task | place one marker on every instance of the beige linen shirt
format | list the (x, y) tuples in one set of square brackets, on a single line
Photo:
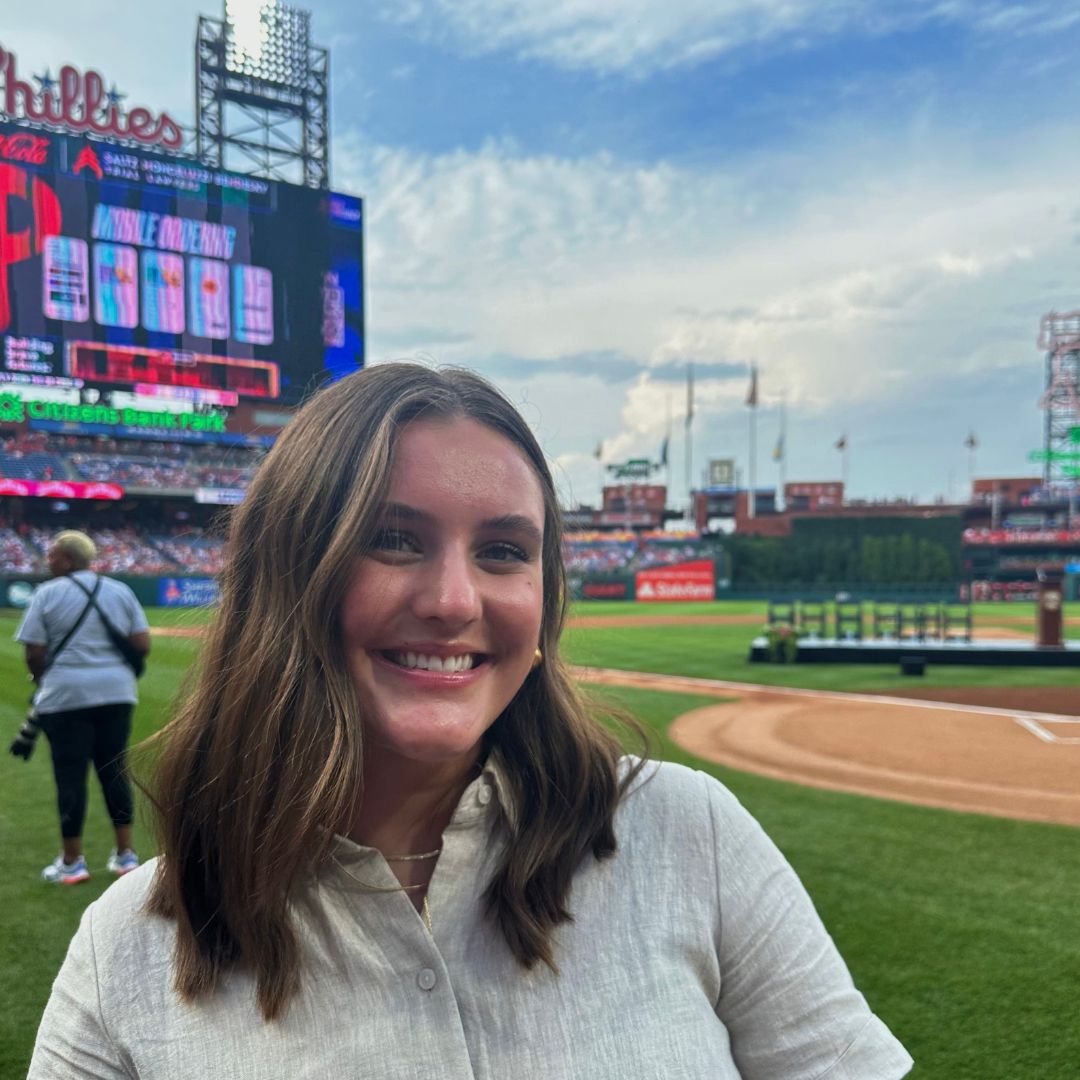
[(694, 953)]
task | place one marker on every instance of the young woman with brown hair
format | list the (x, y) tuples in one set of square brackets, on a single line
[(396, 840)]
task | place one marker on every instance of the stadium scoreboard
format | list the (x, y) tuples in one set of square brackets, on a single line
[(149, 296)]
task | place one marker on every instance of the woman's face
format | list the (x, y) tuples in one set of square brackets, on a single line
[(441, 621)]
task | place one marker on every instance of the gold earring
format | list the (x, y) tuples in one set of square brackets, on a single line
[(538, 659)]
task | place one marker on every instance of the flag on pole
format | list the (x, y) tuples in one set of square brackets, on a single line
[(689, 394), (751, 394), (778, 449), (971, 442), (598, 453), (663, 452), (841, 443)]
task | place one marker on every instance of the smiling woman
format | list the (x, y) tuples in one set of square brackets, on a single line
[(397, 842)]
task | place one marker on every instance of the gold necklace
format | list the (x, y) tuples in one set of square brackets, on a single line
[(425, 908), (414, 858)]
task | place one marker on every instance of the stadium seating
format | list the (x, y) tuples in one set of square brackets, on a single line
[(31, 465), (196, 553), (15, 556)]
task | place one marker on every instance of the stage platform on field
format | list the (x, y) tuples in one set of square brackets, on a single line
[(1000, 653)]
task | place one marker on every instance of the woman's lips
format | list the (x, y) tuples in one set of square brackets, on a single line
[(474, 666)]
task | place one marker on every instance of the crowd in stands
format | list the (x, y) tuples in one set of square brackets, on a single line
[(15, 556), (134, 550), (29, 457), (198, 554), (625, 552), (126, 550), (38, 456), (120, 551)]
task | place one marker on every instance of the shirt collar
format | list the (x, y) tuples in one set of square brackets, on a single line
[(486, 798)]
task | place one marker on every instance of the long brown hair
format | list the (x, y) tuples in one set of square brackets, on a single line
[(268, 746)]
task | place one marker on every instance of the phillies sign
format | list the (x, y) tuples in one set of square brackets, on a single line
[(80, 103)]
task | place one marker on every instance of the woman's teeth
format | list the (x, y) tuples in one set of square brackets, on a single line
[(433, 663)]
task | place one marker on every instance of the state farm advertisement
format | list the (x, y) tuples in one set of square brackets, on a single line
[(684, 581)]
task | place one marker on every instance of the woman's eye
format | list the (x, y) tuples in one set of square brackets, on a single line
[(393, 540), (505, 552)]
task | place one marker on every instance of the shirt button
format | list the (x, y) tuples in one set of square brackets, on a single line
[(483, 796), (426, 979)]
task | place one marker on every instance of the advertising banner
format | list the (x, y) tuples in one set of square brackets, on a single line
[(1021, 536), (60, 489), (220, 496), (684, 581), (187, 592)]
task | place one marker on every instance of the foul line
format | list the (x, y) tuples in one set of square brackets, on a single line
[(1031, 721), (1032, 724)]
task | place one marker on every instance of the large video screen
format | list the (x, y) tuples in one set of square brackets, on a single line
[(141, 293)]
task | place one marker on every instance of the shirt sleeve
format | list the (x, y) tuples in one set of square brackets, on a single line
[(786, 996), (31, 629), (73, 1042), (136, 615)]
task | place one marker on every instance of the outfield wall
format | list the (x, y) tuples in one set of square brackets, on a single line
[(15, 590)]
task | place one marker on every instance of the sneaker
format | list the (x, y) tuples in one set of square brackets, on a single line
[(59, 872), (123, 862)]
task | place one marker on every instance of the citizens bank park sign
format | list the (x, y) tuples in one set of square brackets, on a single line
[(79, 103)]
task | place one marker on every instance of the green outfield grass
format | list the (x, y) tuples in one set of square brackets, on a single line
[(720, 652), (960, 929)]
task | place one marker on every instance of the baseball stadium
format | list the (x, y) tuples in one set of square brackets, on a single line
[(892, 689)]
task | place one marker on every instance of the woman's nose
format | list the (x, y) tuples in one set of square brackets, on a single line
[(449, 590)]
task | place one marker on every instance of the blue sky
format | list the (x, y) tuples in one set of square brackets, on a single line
[(872, 201)]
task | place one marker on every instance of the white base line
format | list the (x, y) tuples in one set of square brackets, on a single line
[(1029, 720), (1032, 724)]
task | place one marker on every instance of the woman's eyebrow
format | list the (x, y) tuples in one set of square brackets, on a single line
[(517, 523)]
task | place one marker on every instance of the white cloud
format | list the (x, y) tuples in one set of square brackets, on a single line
[(854, 291), (637, 37)]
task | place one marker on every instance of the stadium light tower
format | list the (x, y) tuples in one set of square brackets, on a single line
[(262, 93), (1059, 338)]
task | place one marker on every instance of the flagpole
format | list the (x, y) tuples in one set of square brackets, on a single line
[(752, 400), (689, 440), (667, 456), (751, 502), (844, 466), (783, 454)]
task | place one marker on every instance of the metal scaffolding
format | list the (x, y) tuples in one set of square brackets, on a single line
[(1059, 338), (262, 94)]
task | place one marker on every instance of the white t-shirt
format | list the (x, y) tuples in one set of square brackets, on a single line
[(694, 953), (89, 671)]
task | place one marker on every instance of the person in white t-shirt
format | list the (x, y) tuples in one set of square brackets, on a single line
[(85, 696)]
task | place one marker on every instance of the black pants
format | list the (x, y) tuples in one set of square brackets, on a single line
[(77, 737)]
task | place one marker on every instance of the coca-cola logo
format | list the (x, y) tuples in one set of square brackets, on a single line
[(33, 149), (80, 103)]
